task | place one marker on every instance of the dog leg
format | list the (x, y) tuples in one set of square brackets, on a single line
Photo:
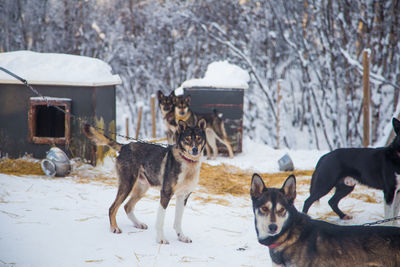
[(387, 209), (165, 198), (138, 191), (314, 196), (122, 194), (392, 210), (208, 150), (225, 142), (211, 142), (180, 206), (319, 188), (342, 190), (396, 200), (229, 147)]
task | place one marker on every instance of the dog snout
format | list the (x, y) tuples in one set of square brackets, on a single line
[(272, 228), (195, 150), (181, 113)]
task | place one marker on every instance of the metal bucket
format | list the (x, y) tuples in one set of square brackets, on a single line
[(56, 163), (285, 163)]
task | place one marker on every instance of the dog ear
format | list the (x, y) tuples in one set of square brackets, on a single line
[(202, 124), (289, 188), (160, 95), (181, 126), (257, 186), (187, 100), (172, 93), (175, 99), (396, 126)]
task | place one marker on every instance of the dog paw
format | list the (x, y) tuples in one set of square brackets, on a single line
[(162, 241), (347, 217), (115, 230), (184, 238), (141, 226)]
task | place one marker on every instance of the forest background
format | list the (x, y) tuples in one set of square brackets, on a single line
[(311, 49)]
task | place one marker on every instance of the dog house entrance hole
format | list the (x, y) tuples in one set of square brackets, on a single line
[(49, 123)]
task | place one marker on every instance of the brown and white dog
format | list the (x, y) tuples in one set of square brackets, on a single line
[(166, 104), (174, 169), (215, 129), (294, 239)]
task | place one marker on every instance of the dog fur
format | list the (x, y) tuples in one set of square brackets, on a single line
[(167, 107), (374, 167), (294, 239), (174, 169), (215, 129)]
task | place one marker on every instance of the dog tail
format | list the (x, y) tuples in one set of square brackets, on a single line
[(218, 114), (100, 139)]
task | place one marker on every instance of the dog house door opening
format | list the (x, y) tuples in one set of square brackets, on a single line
[(49, 122)]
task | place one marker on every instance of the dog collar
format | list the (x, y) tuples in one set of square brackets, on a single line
[(169, 116), (187, 159), (274, 245)]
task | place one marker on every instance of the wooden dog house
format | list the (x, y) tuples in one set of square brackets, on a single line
[(222, 89), (76, 89)]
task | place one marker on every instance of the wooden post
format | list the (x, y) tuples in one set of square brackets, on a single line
[(139, 122), (153, 115), (127, 127), (278, 100), (366, 99)]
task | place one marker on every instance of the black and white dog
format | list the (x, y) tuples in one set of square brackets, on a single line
[(374, 167)]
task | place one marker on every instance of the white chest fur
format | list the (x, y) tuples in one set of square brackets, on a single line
[(188, 178)]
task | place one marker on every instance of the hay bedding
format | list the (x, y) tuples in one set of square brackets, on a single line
[(228, 179), (214, 180), (218, 180)]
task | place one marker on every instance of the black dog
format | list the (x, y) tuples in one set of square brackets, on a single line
[(374, 167), (294, 239)]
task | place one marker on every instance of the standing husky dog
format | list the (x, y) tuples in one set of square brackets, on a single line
[(174, 169), (215, 129), (294, 239), (374, 167), (166, 104)]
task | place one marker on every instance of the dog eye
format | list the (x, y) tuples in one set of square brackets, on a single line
[(281, 210), (265, 209), (198, 139)]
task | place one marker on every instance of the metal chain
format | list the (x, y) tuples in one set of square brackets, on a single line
[(382, 221), (57, 107)]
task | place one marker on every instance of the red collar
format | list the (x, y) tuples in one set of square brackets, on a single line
[(187, 159), (169, 116), (274, 245)]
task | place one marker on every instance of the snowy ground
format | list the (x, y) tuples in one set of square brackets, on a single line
[(60, 222)]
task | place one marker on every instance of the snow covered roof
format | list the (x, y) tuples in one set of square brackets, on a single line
[(56, 69), (219, 74)]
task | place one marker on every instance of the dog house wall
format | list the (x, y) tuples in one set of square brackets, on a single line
[(229, 102), (87, 103)]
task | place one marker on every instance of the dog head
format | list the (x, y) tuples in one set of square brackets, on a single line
[(166, 103), (191, 140), (272, 206), (181, 106)]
